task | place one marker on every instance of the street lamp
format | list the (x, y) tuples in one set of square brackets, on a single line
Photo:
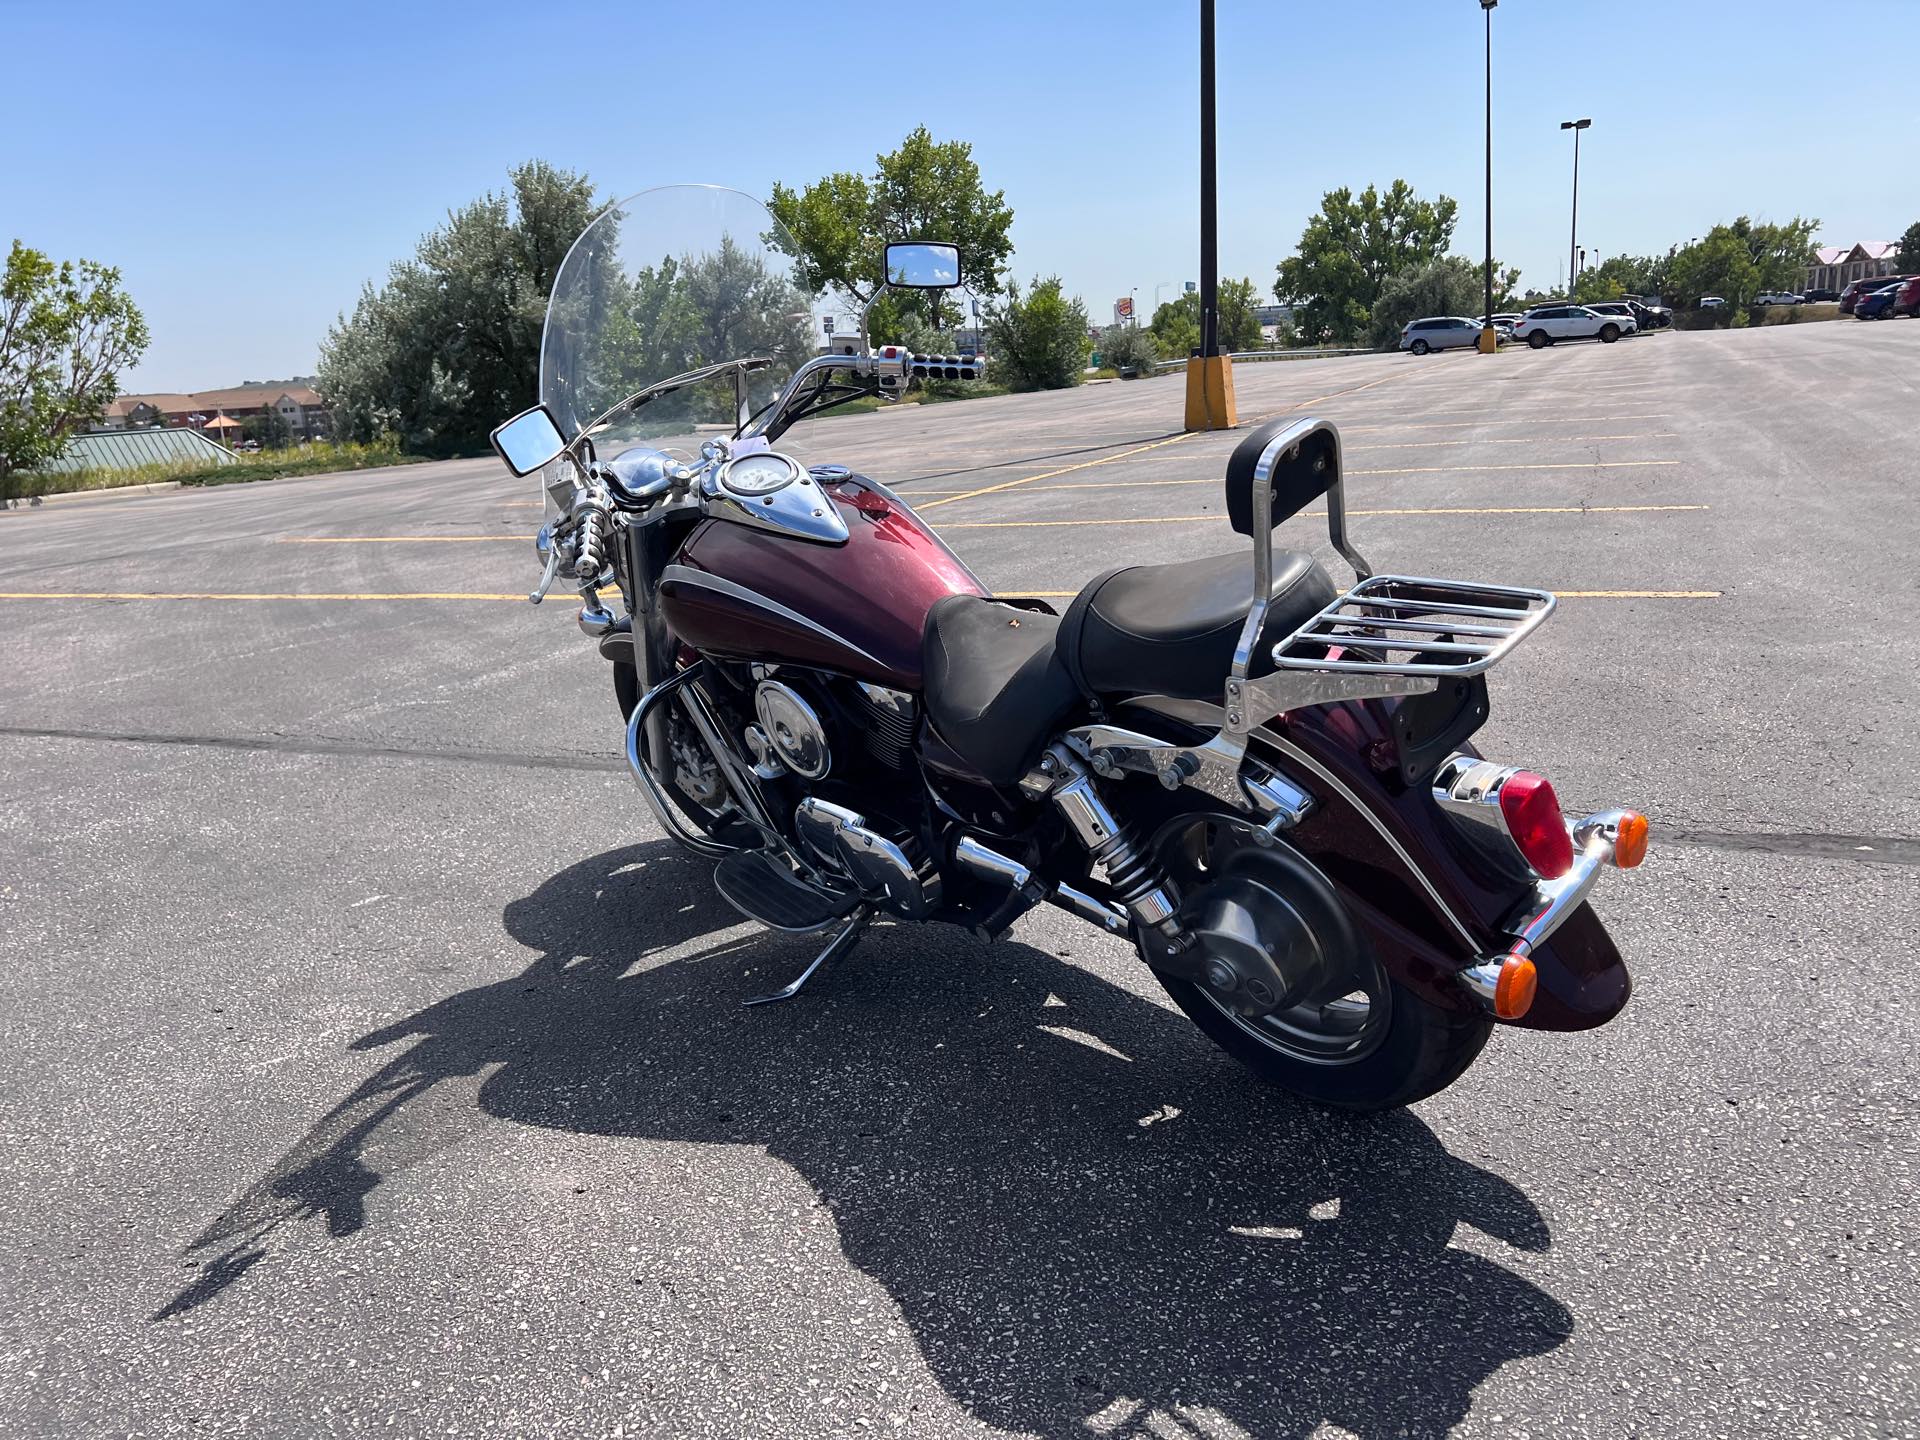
[(1489, 341), (1576, 126)]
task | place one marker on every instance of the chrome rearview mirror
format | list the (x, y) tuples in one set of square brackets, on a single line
[(923, 265), (529, 440)]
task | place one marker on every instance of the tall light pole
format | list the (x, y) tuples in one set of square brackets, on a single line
[(1573, 230), (1210, 404), (1489, 341)]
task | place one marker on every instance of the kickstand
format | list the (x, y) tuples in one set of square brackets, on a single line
[(836, 947)]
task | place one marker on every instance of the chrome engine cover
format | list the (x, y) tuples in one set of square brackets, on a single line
[(798, 737), (880, 868)]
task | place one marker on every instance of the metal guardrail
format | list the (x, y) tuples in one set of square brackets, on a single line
[(1260, 355)]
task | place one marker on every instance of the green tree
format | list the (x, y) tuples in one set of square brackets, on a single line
[(1039, 342), (269, 428), (1349, 250), (1130, 349), (451, 342), (1451, 285), (1739, 260), (66, 332), (926, 189), (1176, 324), (1619, 275), (1907, 261)]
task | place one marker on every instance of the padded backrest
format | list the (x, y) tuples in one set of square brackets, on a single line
[(1300, 476)]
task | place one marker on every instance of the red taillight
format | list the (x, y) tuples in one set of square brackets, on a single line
[(1532, 813)]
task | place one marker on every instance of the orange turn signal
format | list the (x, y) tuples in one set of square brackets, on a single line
[(1513, 992), (1630, 848)]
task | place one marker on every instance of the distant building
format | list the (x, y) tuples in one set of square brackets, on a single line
[(1835, 267), (128, 449), (300, 406)]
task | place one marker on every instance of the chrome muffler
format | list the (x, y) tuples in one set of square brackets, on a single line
[(986, 863)]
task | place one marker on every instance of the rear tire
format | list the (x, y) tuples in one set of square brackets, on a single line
[(1537, 340), (1378, 1045), (1419, 347), (1425, 1049)]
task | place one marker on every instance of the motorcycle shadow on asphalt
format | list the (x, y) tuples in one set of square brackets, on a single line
[(1085, 1213)]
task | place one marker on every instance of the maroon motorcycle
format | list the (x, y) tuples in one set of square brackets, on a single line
[(1259, 778)]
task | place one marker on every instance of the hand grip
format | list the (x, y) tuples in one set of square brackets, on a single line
[(592, 556), (948, 367)]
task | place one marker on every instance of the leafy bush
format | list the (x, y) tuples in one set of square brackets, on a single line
[(1447, 286), (1040, 342), (1798, 314), (1176, 324), (1129, 349), (315, 459)]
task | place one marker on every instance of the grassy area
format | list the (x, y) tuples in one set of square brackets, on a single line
[(319, 459), (1798, 314)]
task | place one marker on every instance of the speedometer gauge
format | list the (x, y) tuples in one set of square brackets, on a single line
[(752, 476)]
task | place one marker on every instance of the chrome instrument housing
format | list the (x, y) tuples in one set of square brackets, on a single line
[(799, 507)]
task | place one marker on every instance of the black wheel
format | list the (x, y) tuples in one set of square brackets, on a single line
[(1537, 340), (1609, 334), (1360, 1040), (1419, 347)]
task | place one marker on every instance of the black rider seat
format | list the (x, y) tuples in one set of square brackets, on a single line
[(999, 680)]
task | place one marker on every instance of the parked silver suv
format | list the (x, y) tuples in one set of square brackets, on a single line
[(1544, 324), (1440, 332)]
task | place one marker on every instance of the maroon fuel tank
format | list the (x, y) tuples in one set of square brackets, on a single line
[(742, 593)]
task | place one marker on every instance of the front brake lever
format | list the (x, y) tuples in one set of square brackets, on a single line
[(552, 552)]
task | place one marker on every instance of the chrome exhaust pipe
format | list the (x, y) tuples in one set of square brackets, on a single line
[(989, 864)]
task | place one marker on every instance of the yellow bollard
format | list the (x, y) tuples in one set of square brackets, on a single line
[(1210, 393), (1489, 340)]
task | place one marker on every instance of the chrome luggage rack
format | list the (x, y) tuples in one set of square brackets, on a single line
[(1410, 625)]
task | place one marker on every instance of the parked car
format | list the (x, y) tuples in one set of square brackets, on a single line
[(1879, 304), (1778, 297), (1544, 324), (1440, 332), (1650, 315), (1850, 296), (1712, 302), (1907, 302), (1821, 297), (1621, 311)]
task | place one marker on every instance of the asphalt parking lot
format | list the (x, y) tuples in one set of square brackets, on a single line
[(373, 1063)]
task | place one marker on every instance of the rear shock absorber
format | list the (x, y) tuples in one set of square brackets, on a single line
[(1132, 872)]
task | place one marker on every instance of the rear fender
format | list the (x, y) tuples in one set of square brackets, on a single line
[(1418, 887), (1428, 902)]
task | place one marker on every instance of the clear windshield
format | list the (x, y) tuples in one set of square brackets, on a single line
[(664, 282)]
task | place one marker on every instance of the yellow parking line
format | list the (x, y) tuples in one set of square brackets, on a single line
[(1064, 470), (485, 595), (1554, 465), (1509, 440), (1509, 420), (1142, 449), (1319, 514), (1558, 594), (251, 595), (399, 539), (1416, 470)]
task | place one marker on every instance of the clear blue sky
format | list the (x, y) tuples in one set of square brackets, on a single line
[(250, 167)]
